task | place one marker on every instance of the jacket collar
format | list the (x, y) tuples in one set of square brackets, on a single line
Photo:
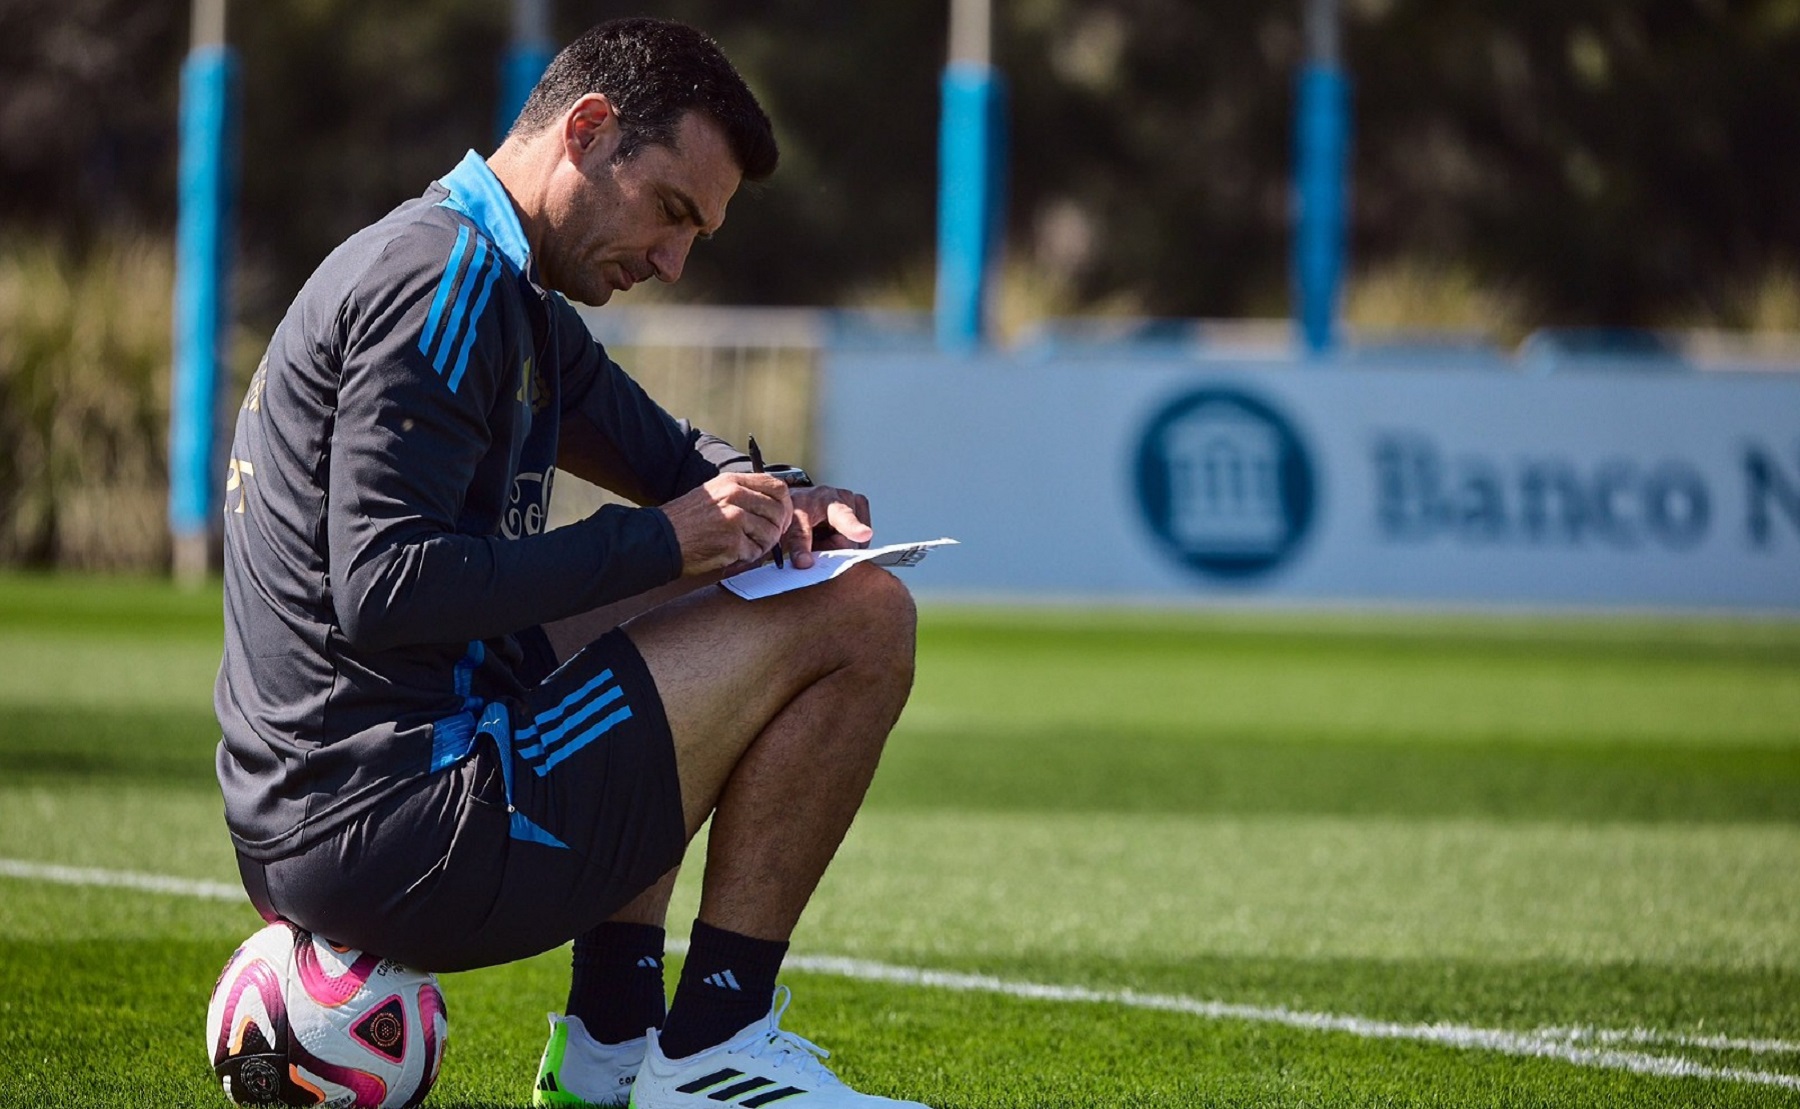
[(478, 194)]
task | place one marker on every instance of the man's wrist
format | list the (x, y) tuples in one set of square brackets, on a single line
[(791, 476)]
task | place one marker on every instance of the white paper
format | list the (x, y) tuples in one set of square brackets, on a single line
[(768, 579)]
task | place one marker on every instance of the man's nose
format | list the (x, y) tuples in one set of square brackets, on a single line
[(670, 255)]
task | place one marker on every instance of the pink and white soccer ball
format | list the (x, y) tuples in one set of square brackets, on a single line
[(298, 1020)]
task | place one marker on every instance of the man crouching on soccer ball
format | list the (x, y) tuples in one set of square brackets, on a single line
[(454, 738)]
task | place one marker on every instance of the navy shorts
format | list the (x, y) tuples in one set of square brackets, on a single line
[(447, 875)]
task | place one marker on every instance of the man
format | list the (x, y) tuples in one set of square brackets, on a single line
[(437, 744)]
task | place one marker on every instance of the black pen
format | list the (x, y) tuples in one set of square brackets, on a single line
[(756, 466)]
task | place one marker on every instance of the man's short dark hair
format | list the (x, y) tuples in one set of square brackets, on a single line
[(654, 72)]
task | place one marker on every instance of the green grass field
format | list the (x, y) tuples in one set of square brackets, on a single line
[(1272, 860)]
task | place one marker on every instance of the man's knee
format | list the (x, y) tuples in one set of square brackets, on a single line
[(877, 616)]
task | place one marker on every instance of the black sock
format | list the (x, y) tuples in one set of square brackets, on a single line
[(727, 982), (617, 985)]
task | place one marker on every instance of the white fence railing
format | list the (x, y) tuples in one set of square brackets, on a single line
[(734, 371), (742, 371)]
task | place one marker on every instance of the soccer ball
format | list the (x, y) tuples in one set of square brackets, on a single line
[(298, 1020)]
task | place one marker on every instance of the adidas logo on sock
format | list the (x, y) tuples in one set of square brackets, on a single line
[(650, 962), (725, 980)]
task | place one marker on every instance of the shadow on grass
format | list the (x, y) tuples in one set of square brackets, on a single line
[(165, 746), (1080, 770)]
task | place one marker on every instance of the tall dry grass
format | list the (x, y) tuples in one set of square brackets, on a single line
[(1422, 295), (1768, 304), (84, 386)]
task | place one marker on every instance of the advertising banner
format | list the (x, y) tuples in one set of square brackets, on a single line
[(1144, 479)]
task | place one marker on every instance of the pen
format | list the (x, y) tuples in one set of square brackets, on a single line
[(756, 464)]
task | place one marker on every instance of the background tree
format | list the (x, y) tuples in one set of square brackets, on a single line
[(1611, 163)]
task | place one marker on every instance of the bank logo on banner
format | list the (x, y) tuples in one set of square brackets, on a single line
[(1225, 483)]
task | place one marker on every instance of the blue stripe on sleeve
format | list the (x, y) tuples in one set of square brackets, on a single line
[(459, 313), (462, 356), (443, 292)]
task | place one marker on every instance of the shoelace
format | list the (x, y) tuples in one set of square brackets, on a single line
[(783, 1046)]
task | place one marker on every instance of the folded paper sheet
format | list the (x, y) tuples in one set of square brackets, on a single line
[(768, 579)]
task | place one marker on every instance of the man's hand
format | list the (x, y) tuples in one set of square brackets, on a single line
[(826, 519), (733, 520)]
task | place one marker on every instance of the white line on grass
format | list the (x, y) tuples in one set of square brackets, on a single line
[(1545, 1043), (1582, 1033), (126, 879)]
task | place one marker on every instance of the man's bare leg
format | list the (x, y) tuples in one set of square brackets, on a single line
[(779, 710), (787, 701)]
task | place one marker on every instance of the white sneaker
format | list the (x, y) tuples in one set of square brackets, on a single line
[(762, 1065), (578, 1071)]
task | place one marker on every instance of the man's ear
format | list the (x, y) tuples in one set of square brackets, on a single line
[(590, 129)]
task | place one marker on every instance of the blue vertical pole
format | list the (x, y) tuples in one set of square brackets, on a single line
[(527, 56), (519, 72), (970, 191), (202, 276), (1321, 163), (1323, 147)]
